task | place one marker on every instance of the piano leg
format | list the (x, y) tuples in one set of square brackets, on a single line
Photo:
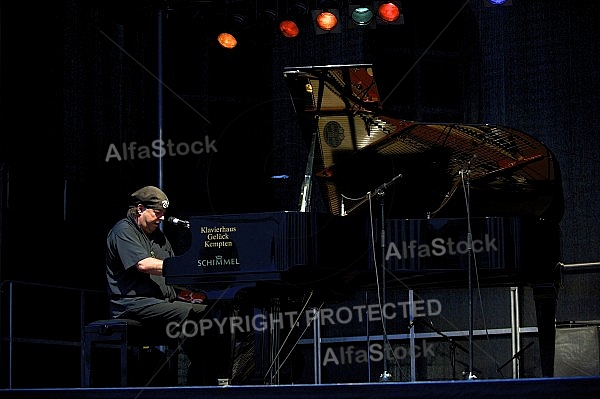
[(213, 351), (545, 298), (261, 353), (544, 278)]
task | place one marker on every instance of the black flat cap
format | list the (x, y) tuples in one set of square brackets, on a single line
[(151, 197)]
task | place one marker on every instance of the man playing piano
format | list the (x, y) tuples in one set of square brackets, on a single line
[(136, 248)]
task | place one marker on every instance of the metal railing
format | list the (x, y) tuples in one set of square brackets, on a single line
[(10, 307)]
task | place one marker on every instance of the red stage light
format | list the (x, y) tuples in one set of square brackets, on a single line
[(388, 12), (289, 28)]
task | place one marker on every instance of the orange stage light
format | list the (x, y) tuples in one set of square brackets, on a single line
[(289, 28), (227, 40), (326, 21), (388, 12)]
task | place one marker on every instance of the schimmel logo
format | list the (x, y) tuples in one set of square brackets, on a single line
[(438, 247), (218, 261)]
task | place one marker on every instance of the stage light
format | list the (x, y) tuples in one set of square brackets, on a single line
[(266, 21), (362, 16), (289, 28), (289, 25), (494, 3), (389, 13), (326, 18), (227, 40), (230, 36)]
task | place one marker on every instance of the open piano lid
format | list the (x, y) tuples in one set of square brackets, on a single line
[(359, 148)]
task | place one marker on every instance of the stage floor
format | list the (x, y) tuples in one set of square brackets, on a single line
[(536, 388)]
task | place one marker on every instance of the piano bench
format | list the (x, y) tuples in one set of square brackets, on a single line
[(128, 337)]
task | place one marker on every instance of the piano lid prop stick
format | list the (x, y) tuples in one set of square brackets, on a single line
[(305, 192)]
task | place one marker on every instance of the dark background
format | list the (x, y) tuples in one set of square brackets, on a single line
[(78, 77)]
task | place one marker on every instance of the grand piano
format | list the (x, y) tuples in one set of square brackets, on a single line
[(425, 200)]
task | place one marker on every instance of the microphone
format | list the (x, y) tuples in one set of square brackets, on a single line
[(178, 222)]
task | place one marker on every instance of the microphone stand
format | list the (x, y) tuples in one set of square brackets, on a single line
[(386, 375), (467, 173), (515, 356), (380, 193), (453, 344)]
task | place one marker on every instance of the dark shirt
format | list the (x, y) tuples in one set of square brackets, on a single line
[(128, 287)]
